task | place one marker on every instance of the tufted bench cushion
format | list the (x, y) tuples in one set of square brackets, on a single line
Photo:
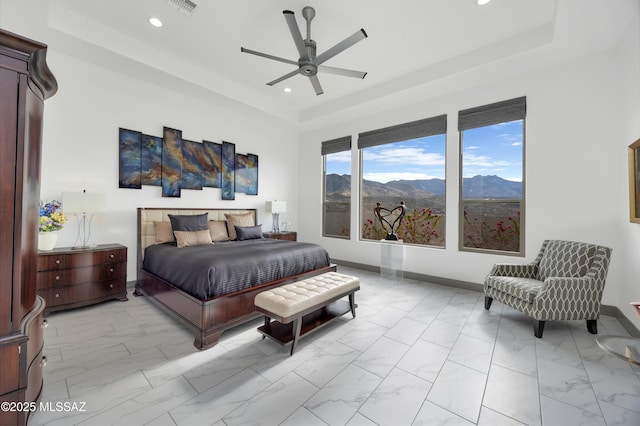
[(290, 299), (306, 304)]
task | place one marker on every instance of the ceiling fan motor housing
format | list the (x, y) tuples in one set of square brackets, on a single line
[(308, 65)]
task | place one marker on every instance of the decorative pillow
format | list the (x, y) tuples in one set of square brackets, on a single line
[(193, 238), (248, 232), (196, 222), (218, 230), (233, 220), (164, 234)]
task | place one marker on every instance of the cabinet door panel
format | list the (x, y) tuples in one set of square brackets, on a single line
[(8, 139)]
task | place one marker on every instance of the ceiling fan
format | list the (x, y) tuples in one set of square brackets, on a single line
[(309, 64)]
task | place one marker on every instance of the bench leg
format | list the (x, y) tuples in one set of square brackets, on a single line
[(267, 325), (352, 304), (297, 325)]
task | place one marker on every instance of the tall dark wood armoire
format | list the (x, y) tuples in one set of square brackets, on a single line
[(25, 82)]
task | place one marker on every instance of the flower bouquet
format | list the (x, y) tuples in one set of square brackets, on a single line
[(51, 218)]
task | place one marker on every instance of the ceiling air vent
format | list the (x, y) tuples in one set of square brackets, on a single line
[(185, 7)]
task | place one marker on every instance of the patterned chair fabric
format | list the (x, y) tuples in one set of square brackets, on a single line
[(564, 282)]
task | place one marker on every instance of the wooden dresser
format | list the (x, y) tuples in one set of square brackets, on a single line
[(25, 82), (71, 278)]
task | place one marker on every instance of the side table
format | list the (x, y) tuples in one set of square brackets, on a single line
[(289, 236), (623, 347)]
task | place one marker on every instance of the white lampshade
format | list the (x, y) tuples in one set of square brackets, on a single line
[(275, 206), (82, 202)]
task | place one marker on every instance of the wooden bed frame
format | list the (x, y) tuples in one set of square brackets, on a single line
[(206, 318)]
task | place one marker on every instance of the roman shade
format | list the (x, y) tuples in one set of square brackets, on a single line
[(402, 132), (336, 145), (486, 115)]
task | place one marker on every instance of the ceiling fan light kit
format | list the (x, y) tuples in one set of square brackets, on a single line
[(309, 64)]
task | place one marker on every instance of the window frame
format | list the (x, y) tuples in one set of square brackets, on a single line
[(432, 126), (334, 146), (485, 116)]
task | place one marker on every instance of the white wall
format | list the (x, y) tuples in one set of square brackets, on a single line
[(576, 166)]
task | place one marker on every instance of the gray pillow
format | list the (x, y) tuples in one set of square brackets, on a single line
[(196, 222), (248, 232)]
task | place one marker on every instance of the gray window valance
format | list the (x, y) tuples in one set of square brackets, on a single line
[(336, 145), (486, 115), (402, 132)]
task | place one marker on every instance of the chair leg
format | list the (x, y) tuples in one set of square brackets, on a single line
[(592, 326), (487, 302), (538, 328)]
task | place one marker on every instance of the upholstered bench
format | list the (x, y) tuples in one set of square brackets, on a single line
[(304, 306)]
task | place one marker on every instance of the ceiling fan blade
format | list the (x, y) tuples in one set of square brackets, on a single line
[(342, 71), (295, 33), (343, 45), (316, 85), (284, 77), (265, 55)]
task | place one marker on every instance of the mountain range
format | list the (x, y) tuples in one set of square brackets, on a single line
[(481, 187)]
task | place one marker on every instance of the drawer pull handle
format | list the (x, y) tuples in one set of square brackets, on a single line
[(45, 323), (112, 256), (57, 294), (110, 285), (57, 261), (57, 277), (43, 361), (111, 269)]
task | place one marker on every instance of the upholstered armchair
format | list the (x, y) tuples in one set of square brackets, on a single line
[(564, 282)]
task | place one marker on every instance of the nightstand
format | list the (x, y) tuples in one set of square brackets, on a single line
[(69, 278), (289, 236)]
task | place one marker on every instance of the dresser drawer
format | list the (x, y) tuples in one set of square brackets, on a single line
[(54, 296), (52, 262), (111, 256), (82, 292), (70, 259), (85, 274)]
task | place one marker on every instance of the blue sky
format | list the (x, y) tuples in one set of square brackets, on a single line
[(491, 150)]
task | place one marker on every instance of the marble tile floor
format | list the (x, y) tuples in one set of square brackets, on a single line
[(417, 354)]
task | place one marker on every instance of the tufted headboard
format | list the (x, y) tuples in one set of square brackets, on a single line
[(148, 215)]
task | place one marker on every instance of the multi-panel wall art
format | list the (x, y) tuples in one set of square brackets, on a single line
[(174, 164)]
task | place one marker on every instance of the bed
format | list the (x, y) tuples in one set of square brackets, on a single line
[(209, 312)]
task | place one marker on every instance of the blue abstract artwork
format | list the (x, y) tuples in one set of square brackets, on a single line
[(247, 174), (151, 160), (172, 163), (192, 158), (130, 158), (228, 171), (212, 164)]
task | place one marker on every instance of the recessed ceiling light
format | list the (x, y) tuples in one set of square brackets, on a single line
[(287, 89), (483, 2), (155, 22)]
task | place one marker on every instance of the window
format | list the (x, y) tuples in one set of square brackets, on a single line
[(336, 204), (492, 177), (405, 163)]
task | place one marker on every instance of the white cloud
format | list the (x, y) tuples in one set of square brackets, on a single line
[(387, 177), (340, 157), (472, 160), (404, 156)]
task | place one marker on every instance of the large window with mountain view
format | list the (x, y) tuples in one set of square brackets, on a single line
[(492, 171), (405, 163), (336, 205)]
